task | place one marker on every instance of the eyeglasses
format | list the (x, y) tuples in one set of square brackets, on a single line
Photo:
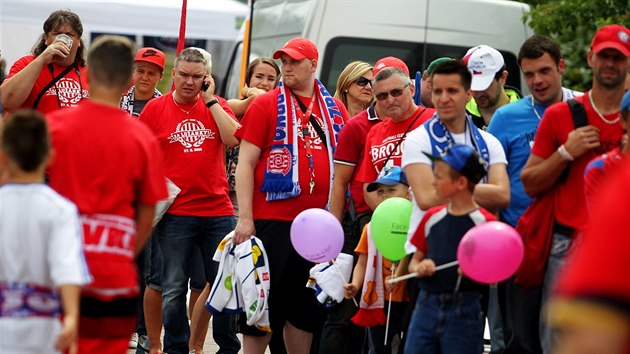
[(363, 81), (395, 93)]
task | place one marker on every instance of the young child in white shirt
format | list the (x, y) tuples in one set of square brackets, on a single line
[(41, 256)]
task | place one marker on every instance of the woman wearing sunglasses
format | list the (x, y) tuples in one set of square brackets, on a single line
[(354, 87)]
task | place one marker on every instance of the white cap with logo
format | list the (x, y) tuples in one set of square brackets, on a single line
[(483, 62)]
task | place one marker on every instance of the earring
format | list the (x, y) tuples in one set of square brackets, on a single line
[(346, 91)]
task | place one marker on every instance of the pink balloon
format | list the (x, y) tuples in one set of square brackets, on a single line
[(490, 252), (317, 235)]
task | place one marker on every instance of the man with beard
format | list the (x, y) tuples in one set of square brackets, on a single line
[(559, 145), (488, 87)]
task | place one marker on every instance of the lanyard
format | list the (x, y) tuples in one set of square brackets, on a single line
[(306, 135)]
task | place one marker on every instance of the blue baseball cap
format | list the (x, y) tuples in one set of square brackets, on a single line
[(625, 102), (392, 176), (463, 159)]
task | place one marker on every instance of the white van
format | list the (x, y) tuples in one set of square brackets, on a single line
[(416, 31)]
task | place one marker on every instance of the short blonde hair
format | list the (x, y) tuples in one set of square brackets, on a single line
[(196, 55), (350, 74)]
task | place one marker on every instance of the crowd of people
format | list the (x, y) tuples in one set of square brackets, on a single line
[(116, 199)]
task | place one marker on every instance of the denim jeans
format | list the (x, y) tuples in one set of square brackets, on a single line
[(178, 236), (560, 246), (495, 322), (447, 324)]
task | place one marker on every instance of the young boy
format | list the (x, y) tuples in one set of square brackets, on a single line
[(447, 317), (372, 312), (41, 257)]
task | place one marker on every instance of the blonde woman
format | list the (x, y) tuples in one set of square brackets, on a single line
[(354, 87)]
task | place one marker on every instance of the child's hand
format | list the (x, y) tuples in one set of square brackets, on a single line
[(68, 336), (425, 268), (350, 290)]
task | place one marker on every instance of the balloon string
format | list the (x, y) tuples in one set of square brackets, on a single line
[(344, 280), (414, 275), (389, 310), (389, 306)]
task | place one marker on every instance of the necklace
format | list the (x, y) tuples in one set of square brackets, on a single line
[(534, 109), (613, 121), (183, 110)]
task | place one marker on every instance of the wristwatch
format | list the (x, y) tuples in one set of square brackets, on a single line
[(212, 102)]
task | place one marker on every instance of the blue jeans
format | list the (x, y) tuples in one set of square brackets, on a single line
[(446, 323), (178, 237), (560, 245)]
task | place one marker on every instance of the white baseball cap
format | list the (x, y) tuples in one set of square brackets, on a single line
[(483, 62)]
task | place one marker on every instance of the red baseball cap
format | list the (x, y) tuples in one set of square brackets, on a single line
[(298, 49), (151, 55), (390, 62), (612, 36)]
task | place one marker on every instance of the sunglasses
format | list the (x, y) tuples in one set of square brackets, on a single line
[(395, 93), (363, 81)]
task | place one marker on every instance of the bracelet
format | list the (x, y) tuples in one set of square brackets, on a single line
[(212, 102), (564, 153)]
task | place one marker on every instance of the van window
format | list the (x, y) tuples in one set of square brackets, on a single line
[(340, 51)]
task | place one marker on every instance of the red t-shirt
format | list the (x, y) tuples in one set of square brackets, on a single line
[(259, 126), (553, 131), (106, 163), (383, 138), (350, 152), (192, 152), (67, 92), (597, 174)]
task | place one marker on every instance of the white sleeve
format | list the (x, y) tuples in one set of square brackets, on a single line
[(495, 149), (417, 141), (65, 251)]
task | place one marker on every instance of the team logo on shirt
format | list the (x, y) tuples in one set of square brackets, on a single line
[(279, 161), (191, 133), (68, 90)]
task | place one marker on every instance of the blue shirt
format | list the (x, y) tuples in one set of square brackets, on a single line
[(515, 125)]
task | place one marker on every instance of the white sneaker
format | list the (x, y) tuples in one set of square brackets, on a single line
[(133, 342)]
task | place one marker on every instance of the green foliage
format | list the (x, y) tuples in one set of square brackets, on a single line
[(573, 23)]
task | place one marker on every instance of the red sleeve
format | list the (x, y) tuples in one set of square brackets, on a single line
[(349, 148), (226, 107), (419, 238), (153, 188), (488, 215), (546, 141), (259, 120), (367, 172), (19, 65)]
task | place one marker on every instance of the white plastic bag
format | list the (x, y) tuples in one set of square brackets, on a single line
[(162, 206)]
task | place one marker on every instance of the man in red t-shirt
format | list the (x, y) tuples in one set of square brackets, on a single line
[(109, 166), (559, 145), (383, 145), (193, 125), (339, 332), (53, 77), (285, 167)]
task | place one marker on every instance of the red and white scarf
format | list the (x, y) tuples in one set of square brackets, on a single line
[(281, 180)]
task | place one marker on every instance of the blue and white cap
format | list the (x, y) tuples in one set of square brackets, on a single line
[(390, 177)]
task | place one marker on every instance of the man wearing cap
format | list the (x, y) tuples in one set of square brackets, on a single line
[(383, 147), (193, 126), (148, 70), (425, 84), (450, 125), (348, 160), (488, 87), (515, 125), (285, 167), (559, 145)]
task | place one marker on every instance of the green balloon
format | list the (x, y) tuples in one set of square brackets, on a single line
[(389, 226)]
